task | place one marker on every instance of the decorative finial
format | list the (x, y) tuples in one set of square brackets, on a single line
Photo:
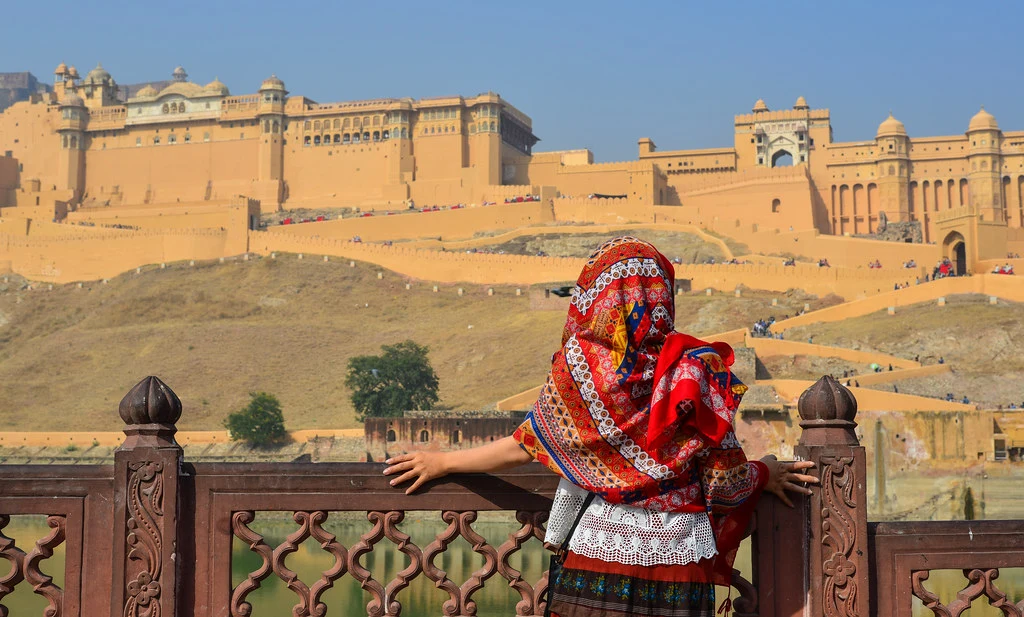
[(827, 413), (151, 401)]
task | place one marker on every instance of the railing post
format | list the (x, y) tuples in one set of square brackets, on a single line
[(146, 553), (837, 560)]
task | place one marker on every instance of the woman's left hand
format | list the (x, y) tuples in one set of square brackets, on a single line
[(783, 475)]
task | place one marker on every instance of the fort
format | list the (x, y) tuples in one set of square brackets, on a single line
[(198, 166)]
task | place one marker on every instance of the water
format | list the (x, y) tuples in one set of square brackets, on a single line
[(421, 598)]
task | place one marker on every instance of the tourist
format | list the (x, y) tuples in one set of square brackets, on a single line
[(856, 383), (697, 507), (966, 401), (942, 360)]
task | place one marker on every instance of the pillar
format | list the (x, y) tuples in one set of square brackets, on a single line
[(146, 550), (837, 558)]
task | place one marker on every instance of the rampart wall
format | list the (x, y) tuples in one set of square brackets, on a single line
[(200, 214), (606, 211), (76, 257)]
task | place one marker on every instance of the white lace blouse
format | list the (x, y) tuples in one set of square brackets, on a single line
[(629, 535)]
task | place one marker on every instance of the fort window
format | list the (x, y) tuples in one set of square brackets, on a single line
[(376, 136), (188, 138), (776, 204), (391, 436), (206, 137), (405, 133), (346, 123), (172, 139), (424, 436), (316, 125), (366, 120), (457, 436), (305, 125), (156, 140), (493, 125), (355, 138), (138, 141), (376, 121), (366, 136), (337, 123), (276, 126), (305, 141), (337, 138), (386, 134), (346, 138), (316, 140), (64, 142)]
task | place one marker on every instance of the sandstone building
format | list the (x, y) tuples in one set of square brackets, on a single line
[(179, 154)]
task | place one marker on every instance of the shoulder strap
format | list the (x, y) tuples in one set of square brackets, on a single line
[(579, 516)]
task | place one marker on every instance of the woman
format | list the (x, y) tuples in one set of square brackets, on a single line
[(641, 416)]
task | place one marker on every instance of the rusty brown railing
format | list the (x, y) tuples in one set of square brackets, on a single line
[(157, 532)]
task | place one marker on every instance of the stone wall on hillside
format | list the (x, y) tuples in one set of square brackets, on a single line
[(436, 431)]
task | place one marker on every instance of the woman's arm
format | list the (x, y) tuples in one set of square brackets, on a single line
[(429, 465)]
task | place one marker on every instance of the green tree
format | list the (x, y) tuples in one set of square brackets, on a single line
[(399, 379), (261, 422), (969, 505)]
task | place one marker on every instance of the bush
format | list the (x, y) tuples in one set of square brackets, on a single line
[(259, 423)]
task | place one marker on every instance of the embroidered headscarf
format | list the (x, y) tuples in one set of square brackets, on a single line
[(630, 403)]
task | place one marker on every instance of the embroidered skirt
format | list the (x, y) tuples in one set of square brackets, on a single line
[(588, 587)]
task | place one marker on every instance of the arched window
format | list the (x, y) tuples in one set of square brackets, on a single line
[(355, 138), (355, 123), (156, 140), (266, 126), (892, 170), (405, 133), (305, 125), (376, 136), (277, 127), (181, 107), (472, 129), (366, 120), (776, 204), (446, 129), (305, 140), (386, 134), (424, 436), (337, 138), (64, 141), (337, 123), (347, 123), (188, 138), (376, 121), (166, 108), (366, 136), (346, 138), (432, 130), (494, 126), (316, 140), (457, 436), (206, 137), (391, 436)]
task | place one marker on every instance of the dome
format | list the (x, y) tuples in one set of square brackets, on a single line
[(891, 126), (759, 106), (184, 88), (72, 100), (216, 87), (61, 69), (179, 74), (97, 75), (801, 103), (73, 73), (983, 121), (272, 83), (146, 91)]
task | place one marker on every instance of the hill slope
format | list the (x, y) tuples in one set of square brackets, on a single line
[(215, 332)]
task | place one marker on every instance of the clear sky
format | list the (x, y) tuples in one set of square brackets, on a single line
[(594, 74)]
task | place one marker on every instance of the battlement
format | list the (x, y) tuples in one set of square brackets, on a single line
[(782, 114), (747, 177)]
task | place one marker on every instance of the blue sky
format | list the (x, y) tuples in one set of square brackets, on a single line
[(593, 74)]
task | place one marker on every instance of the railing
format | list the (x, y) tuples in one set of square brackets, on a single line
[(174, 524)]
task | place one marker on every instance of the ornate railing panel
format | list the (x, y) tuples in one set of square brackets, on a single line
[(904, 553)]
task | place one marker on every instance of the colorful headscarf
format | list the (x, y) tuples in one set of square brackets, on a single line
[(630, 403)]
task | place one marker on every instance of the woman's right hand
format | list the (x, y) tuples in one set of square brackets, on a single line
[(421, 467), (783, 474)]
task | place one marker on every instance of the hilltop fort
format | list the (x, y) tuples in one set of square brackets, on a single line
[(182, 170)]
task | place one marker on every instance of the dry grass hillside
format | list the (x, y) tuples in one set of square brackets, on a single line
[(982, 343), (690, 248), (215, 332)]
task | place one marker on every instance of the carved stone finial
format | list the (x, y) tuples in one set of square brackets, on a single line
[(151, 401), (827, 413)]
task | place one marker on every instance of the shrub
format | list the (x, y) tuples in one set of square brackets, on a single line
[(259, 423)]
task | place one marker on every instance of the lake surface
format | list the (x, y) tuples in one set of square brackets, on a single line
[(421, 598)]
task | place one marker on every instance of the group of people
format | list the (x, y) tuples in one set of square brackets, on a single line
[(912, 263), (522, 198), (875, 265), (1004, 269), (823, 263), (763, 328), (950, 398), (943, 269)]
